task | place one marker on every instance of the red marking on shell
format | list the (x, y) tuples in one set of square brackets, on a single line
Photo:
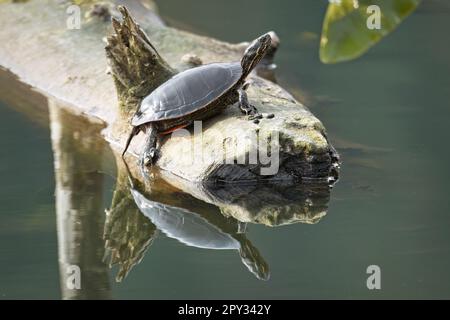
[(173, 129)]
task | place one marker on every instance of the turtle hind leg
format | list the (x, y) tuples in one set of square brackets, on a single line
[(150, 152)]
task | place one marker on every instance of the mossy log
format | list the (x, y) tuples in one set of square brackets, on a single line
[(71, 66)]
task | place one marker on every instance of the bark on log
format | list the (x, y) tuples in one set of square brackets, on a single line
[(70, 65)]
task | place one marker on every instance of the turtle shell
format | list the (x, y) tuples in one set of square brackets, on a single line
[(188, 92)]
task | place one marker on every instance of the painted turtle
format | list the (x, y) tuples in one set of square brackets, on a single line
[(196, 94)]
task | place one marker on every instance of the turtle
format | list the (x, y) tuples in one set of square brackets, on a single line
[(196, 94)]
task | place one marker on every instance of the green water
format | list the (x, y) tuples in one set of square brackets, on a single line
[(387, 114)]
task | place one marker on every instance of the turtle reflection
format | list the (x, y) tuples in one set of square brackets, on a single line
[(205, 231)]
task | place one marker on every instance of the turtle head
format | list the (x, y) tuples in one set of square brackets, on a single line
[(255, 52)]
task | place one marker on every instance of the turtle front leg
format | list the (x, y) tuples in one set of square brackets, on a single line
[(247, 108), (149, 154)]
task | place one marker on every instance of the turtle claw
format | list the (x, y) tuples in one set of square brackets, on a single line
[(258, 116), (147, 159), (255, 116)]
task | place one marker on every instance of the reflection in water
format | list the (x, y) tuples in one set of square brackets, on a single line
[(207, 217), (127, 232), (78, 154), (194, 230)]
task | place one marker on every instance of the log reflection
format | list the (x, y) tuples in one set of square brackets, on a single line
[(78, 154)]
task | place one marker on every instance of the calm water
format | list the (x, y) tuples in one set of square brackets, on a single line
[(387, 114)]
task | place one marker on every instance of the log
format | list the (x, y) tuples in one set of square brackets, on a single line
[(71, 65)]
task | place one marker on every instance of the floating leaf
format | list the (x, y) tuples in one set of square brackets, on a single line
[(345, 32)]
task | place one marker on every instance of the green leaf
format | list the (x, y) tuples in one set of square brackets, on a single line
[(345, 34)]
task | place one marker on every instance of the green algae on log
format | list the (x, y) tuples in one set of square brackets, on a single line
[(71, 66)]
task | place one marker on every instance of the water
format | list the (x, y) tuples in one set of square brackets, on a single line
[(386, 112)]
